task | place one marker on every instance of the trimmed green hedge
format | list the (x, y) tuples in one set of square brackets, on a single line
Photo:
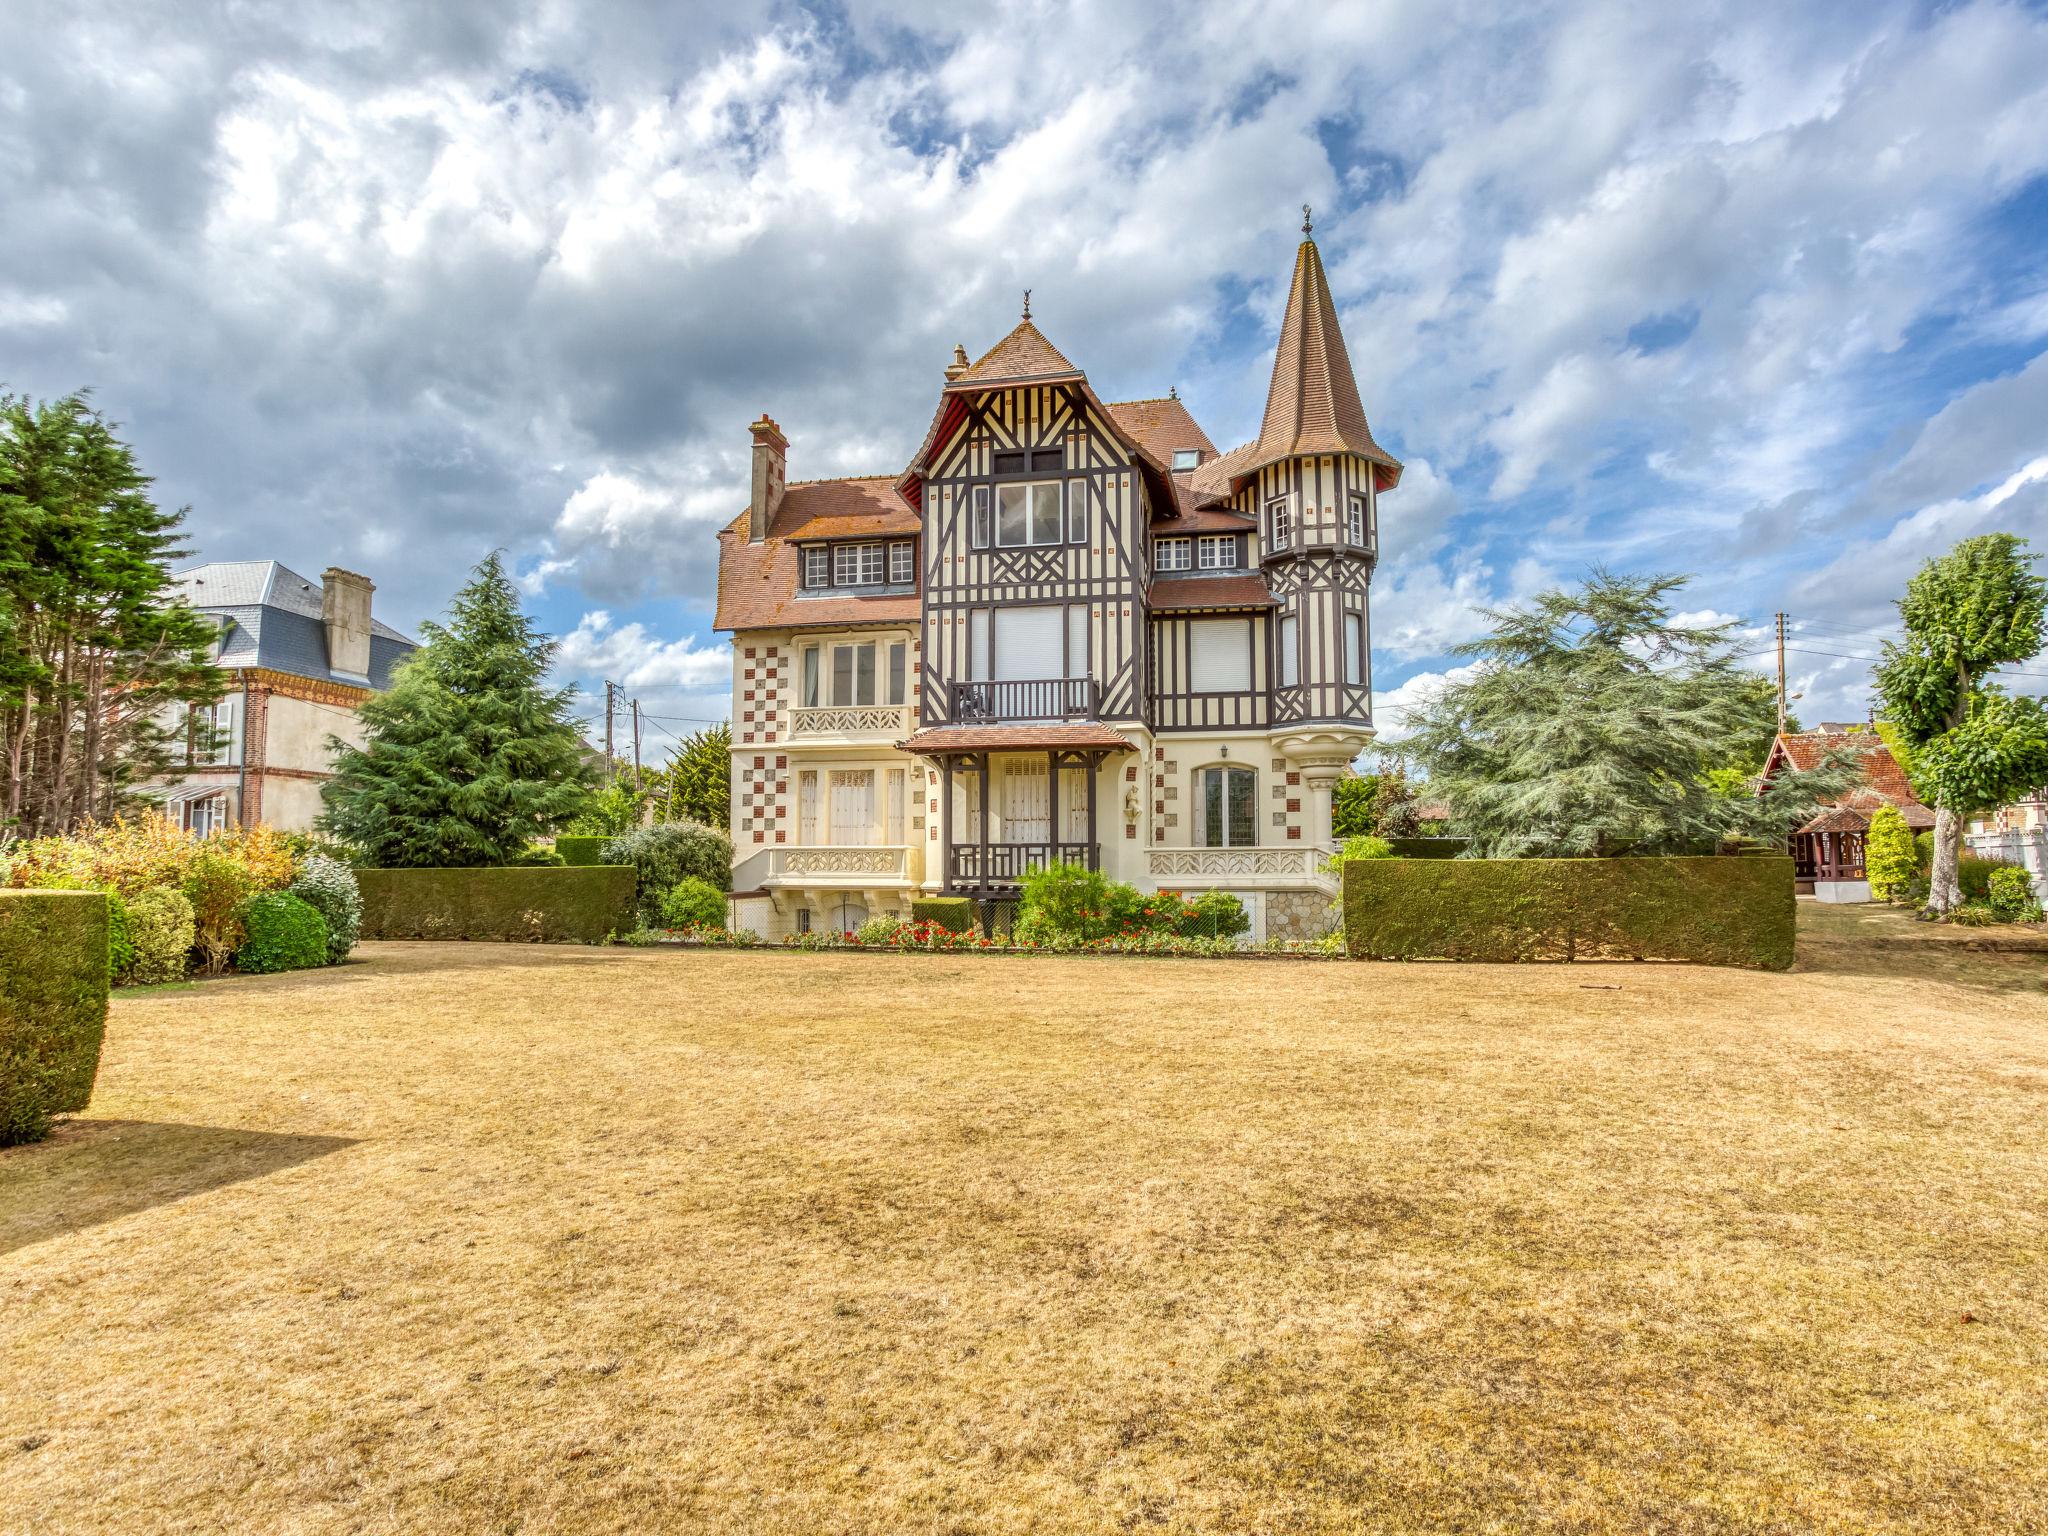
[(1713, 911), (540, 902), (53, 1006), (581, 851), (955, 914), (1427, 847)]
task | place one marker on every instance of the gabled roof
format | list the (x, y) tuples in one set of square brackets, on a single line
[(1883, 781), (1022, 356), (757, 583), (270, 618), (1163, 426)]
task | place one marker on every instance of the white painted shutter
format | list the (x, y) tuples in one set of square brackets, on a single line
[(1222, 650), (1028, 643)]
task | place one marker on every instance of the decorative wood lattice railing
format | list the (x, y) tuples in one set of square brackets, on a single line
[(1294, 861), (850, 720), (882, 862)]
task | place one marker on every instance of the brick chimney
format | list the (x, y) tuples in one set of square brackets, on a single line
[(771, 462), (345, 611), (959, 365)]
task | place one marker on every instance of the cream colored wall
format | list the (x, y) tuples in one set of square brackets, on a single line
[(298, 730), (292, 805)]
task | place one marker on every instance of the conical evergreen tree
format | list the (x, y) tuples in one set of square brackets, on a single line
[(470, 755)]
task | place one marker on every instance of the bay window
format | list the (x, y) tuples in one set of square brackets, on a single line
[(848, 673)]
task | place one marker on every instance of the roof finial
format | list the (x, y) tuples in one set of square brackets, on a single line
[(1027, 303), (1307, 224), (1173, 393)]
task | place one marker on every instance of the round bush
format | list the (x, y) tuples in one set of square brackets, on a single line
[(281, 933), (693, 903), (162, 931), (879, 929), (662, 855), (2011, 895), (1217, 915), (329, 887)]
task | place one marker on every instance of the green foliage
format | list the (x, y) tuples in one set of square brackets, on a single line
[(879, 929), (1974, 874), (120, 938), (1374, 805), (1428, 847), (217, 885), (1995, 754), (280, 933), (663, 854), (1590, 725), (612, 809), (535, 856), (1355, 848), (1712, 911), (953, 913), (578, 849), (330, 888), (161, 926), (693, 903), (587, 905), (2010, 893), (1217, 915), (1889, 861), (100, 657), (1062, 897), (696, 783), (53, 1006), (470, 755), (1923, 849)]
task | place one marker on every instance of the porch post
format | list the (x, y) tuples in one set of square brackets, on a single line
[(1094, 762), (946, 826), (982, 873), (1052, 790)]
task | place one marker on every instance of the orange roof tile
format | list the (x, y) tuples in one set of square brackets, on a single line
[(1173, 593), (757, 583), (1023, 354), (1164, 427), (935, 740)]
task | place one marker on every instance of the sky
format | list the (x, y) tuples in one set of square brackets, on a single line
[(1755, 292)]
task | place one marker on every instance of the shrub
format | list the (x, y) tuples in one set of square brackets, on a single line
[(161, 928), (120, 938), (1353, 849), (132, 856), (1428, 847), (1063, 898), (1975, 914), (880, 929), (577, 850), (588, 905), (693, 903), (1716, 911), (662, 855), (217, 885), (1973, 874), (1216, 915), (53, 1006), (2011, 896), (955, 914), (329, 887), (1923, 851), (533, 856), (1889, 862), (281, 933)]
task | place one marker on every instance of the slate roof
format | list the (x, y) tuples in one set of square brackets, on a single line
[(757, 583), (271, 619)]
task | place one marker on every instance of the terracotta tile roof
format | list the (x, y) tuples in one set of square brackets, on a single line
[(940, 739), (1176, 593), (1163, 427), (1884, 781), (757, 583), (1216, 477), (1023, 354), (1200, 514)]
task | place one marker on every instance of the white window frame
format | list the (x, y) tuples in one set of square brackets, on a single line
[(831, 686), (1186, 459), (902, 563), (1354, 647), (1217, 552), (1290, 651), (1250, 828), (1238, 632), (1172, 555), (818, 566), (1356, 520), (981, 532), (1280, 522), (895, 683), (858, 565), (1031, 488)]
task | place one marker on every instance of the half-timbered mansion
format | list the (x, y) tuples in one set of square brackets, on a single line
[(1071, 629)]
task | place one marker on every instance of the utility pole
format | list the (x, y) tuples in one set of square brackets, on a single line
[(609, 728), (636, 744), (1781, 671)]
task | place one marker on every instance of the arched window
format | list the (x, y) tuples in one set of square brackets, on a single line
[(1226, 807)]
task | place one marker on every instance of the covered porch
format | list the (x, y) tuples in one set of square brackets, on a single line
[(1015, 798)]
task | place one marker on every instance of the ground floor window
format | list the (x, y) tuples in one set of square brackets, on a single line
[(204, 814), (1226, 801)]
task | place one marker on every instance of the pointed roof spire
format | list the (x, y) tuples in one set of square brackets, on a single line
[(1023, 355), (1312, 405)]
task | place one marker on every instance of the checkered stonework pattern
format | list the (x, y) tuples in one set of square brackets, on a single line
[(760, 801), (760, 707)]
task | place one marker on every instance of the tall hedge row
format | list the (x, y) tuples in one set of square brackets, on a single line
[(586, 904), (1713, 911), (53, 1006), (579, 851)]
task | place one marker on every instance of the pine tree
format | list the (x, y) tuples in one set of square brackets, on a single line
[(470, 756), (1971, 745), (697, 781), (1591, 728)]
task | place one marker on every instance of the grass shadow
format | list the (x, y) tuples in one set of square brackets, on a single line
[(1879, 941), (91, 1171)]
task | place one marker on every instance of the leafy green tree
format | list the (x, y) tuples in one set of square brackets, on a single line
[(1972, 746), (615, 808), (1589, 729), (696, 783), (470, 755), (1378, 804), (1889, 861), (100, 659)]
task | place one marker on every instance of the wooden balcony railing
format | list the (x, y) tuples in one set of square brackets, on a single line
[(1056, 698), (1008, 863)]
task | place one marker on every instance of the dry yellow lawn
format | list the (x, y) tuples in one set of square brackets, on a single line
[(472, 1238)]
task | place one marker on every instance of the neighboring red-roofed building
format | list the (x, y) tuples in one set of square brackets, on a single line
[(1069, 629), (1827, 853)]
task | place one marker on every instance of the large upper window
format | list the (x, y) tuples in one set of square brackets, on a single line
[(1221, 651), (1029, 513), (850, 672), (1227, 807), (1023, 512), (859, 565), (855, 565), (1280, 522), (1170, 555), (1219, 551)]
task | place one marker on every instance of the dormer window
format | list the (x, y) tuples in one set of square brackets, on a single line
[(902, 564), (1187, 458), (817, 566), (1219, 552), (857, 565), (827, 567), (1170, 555)]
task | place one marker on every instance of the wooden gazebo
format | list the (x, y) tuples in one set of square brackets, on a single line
[(1827, 853)]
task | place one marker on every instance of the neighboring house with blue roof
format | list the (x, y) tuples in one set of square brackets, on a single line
[(303, 656)]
